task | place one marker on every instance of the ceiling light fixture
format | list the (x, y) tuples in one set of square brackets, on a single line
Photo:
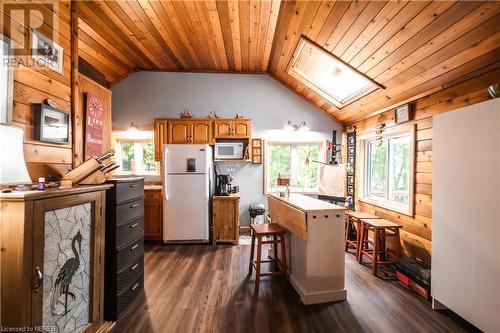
[(303, 126), (289, 126), (133, 127)]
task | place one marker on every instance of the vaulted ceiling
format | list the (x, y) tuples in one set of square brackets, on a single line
[(412, 48)]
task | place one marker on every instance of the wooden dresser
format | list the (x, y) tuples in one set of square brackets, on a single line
[(52, 263), (124, 275), (226, 218)]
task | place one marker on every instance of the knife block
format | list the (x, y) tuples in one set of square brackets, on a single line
[(98, 177), (87, 173)]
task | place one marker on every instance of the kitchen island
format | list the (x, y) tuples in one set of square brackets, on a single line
[(315, 245)]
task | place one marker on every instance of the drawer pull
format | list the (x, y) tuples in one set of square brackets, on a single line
[(314, 216), (326, 216), (134, 267), (135, 286), (134, 225), (134, 185), (134, 205), (134, 247), (338, 215)]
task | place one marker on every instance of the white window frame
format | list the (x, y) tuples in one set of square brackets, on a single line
[(322, 154), (406, 209), (138, 157)]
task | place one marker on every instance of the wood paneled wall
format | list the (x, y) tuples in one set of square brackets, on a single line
[(33, 86), (417, 229)]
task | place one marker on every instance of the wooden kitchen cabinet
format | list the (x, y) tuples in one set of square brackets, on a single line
[(226, 219), (153, 214), (233, 128), (189, 131), (160, 137)]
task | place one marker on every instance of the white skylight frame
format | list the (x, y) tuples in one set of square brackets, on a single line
[(325, 62)]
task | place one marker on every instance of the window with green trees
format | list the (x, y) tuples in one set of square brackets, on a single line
[(387, 170), (296, 159), (136, 157)]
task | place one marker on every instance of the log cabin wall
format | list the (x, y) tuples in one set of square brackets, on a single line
[(33, 86), (416, 235)]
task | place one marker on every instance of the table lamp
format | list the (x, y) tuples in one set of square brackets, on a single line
[(12, 167)]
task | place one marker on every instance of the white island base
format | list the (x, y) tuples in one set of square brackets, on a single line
[(315, 246)]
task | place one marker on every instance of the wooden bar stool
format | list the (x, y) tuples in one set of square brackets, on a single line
[(277, 236), (379, 253), (353, 221)]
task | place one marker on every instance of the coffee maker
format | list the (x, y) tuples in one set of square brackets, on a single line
[(223, 185)]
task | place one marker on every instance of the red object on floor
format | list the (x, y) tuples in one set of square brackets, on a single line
[(423, 292)]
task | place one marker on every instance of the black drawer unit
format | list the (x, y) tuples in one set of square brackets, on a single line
[(124, 266)]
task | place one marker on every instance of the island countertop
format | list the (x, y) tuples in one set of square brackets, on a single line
[(306, 203)]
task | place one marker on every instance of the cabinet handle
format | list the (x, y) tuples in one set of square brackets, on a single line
[(134, 185), (135, 286), (134, 205), (38, 279), (134, 267), (338, 215), (134, 225), (134, 247), (326, 216), (314, 216)]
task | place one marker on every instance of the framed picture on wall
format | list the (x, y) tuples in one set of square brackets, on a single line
[(6, 81), (46, 52), (402, 113), (51, 124)]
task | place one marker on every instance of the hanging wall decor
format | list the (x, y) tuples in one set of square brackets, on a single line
[(93, 126), (351, 167)]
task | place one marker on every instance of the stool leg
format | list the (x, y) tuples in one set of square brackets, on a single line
[(275, 254), (361, 247), (398, 244), (347, 232), (257, 263), (358, 238), (375, 250), (283, 255), (252, 248)]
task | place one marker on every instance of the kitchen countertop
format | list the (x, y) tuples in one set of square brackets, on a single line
[(153, 187), (306, 203)]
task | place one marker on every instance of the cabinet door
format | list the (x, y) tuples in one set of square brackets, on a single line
[(201, 131), (153, 223), (242, 128), (226, 214), (223, 129), (68, 239), (178, 131), (160, 137)]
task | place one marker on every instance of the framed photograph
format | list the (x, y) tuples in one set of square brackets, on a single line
[(46, 52), (51, 124), (402, 114), (6, 81)]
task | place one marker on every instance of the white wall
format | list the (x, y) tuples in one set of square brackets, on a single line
[(147, 95)]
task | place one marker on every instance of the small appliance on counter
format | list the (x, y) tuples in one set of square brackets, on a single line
[(223, 185)]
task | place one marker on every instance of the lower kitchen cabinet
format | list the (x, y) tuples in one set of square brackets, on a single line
[(226, 219), (153, 214)]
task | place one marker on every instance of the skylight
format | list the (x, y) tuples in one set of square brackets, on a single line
[(327, 75)]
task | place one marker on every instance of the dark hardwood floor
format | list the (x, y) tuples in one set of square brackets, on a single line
[(202, 288)]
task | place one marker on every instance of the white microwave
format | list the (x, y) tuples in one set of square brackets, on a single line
[(229, 150)]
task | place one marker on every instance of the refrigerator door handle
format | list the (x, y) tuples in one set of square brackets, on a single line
[(165, 185)]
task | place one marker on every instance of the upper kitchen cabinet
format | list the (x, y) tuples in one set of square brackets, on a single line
[(160, 136), (179, 131), (233, 128), (190, 131)]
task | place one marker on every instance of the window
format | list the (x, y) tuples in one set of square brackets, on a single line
[(296, 159), (388, 171), (136, 157), (327, 75)]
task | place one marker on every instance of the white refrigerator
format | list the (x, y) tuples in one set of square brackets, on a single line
[(187, 189)]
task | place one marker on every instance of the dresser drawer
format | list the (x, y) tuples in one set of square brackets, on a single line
[(126, 233), (129, 211), (131, 273), (128, 296), (126, 255), (127, 191)]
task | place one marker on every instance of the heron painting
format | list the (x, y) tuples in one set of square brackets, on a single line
[(66, 273), (67, 269)]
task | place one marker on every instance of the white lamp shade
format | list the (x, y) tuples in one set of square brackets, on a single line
[(12, 167)]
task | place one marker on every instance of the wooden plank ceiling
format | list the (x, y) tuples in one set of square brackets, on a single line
[(412, 48)]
